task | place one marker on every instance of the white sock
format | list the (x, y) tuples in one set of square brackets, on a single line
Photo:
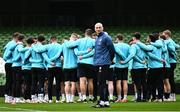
[(67, 97), (63, 96), (72, 98), (6, 96), (40, 97), (91, 97), (32, 97), (119, 97), (46, 97), (125, 97), (174, 96), (111, 97), (135, 95), (80, 95), (84, 97)]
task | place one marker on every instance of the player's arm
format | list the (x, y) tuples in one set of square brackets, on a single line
[(144, 46), (151, 55), (132, 53), (27, 55), (80, 53), (90, 54), (72, 44), (58, 55), (19, 54), (39, 49), (120, 53), (157, 44), (110, 46), (46, 58), (136, 58), (171, 47)]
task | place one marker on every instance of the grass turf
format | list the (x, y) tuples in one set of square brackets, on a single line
[(129, 106)]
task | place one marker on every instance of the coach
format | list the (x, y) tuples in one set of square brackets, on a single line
[(104, 54)]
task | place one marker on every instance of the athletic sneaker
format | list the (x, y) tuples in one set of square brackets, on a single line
[(46, 98), (91, 100), (63, 101), (133, 99), (174, 99), (106, 104), (167, 100), (57, 101), (124, 100), (6, 99), (13, 101), (118, 101), (50, 101), (67, 101), (98, 106), (84, 101), (28, 101), (160, 100), (138, 100), (79, 100), (111, 101), (73, 102)]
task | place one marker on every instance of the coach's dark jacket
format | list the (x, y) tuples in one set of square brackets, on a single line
[(104, 50)]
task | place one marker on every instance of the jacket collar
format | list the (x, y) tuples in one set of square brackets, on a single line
[(100, 34)]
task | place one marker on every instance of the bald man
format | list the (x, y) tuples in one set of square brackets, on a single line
[(103, 56)]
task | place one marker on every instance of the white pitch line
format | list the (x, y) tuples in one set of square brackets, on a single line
[(17, 109)]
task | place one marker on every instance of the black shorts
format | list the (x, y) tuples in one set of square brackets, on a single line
[(121, 73), (46, 74), (54, 71), (70, 75), (132, 75), (110, 75), (105, 73), (62, 76), (141, 72), (166, 73), (86, 70)]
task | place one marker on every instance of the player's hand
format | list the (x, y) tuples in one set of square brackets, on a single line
[(80, 57), (134, 42), (53, 64), (163, 61), (122, 62), (143, 62), (19, 43), (61, 58), (89, 50), (112, 62)]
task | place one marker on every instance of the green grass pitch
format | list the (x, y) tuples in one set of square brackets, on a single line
[(129, 106)]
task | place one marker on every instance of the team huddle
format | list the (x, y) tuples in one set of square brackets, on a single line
[(92, 65)]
